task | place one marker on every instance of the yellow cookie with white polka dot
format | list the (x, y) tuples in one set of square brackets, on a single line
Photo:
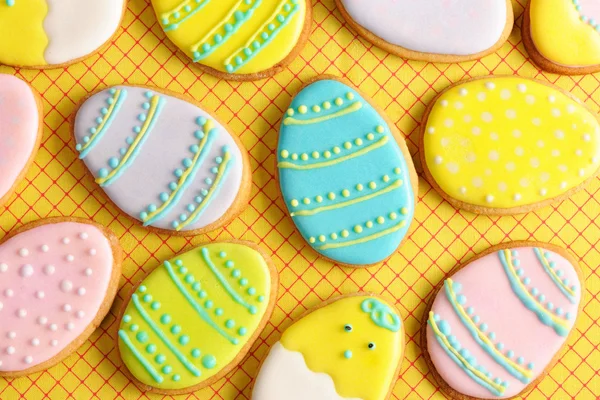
[(508, 145)]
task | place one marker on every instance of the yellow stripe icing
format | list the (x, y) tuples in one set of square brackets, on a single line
[(509, 142), (198, 26), (348, 110), (322, 339), (22, 37), (560, 34)]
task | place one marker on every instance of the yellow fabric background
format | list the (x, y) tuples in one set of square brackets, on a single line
[(58, 184)]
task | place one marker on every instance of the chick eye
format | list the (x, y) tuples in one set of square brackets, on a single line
[(348, 328), (371, 346)]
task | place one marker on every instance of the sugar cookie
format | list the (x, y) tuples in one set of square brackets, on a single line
[(162, 159), (508, 145), (432, 30), (58, 278), (497, 326), (191, 320), (345, 173)]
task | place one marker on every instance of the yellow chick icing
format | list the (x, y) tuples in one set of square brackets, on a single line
[(348, 349)]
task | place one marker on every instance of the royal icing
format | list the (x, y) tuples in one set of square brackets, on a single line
[(53, 32), (191, 317), (344, 178), (566, 32), (233, 36), (19, 130), (162, 160), (496, 325), (346, 350), (53, 280), (458, 27), (509, 142)]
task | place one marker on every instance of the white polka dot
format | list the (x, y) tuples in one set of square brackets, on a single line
[(529, 99), (555, 112), (431, 130), (521, 87), (66, 285), (42, 320), (445, 142), (26, 271), (494, 136), (23, 252), (438, 160), (10, 350), (66, 240), (551, 99), (49, 269), (544, 177), (519, 151), (476, 130), (487, 117), (1, 306), (581, 172), (502, 186), (452, 167), (92, 252), (559, 134), (517, 197), (463, 92), (88, 272), (28, 360), (490, 85), (595, 160), (70, 258), (444, 103), (510, 166), (481, 96), (40, 294), (543, 192), (555, 153), (471, 157), (21, 313), (540, 143), (458, 105), (448, 123), (586, 137), (11, 335), (467, 118), (505, 94), (53, 327), (35, 342), (517, 133), (536, 121), (579, 152), (81, 291), (489, 198), (66, 308), (9, 293), (80, 314), (571, 108), (511, 114), (83, 236), (70, 326), (524, 182), (487, 172), (3, 267), (534, 162), (45, 248), (54, 343), (563, 185), (494, 155), (477, 182), (563, 168), (462, 190)]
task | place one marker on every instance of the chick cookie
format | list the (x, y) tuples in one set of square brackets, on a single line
[(237, 39), (563, 36), (55, 33), (432, 30), (508, 145), (349, 348), (497, 326)]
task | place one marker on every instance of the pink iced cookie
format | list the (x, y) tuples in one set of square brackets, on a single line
[(58, 279), (496, 325), (20, 131)]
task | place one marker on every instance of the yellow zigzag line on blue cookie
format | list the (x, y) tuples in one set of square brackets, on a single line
[(348, 110)]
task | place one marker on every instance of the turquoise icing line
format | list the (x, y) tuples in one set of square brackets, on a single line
[(122, 168), (181, 188), (464, 353), (234, 295), (89, 146), (552, 275), (381, 314), (542, 315), (155, 375), (187, 8), (240, 20), (475, 333), (230, 68), (203, 314), (190, 367)]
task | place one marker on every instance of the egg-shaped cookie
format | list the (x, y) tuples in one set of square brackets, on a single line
[(162, 160), (55, 33), (192, 319), (432, 30), (563, 36), (58, 279), (508, 145), (21, 116), (497, 325), (345, 173), (237, 39), (349, 348)]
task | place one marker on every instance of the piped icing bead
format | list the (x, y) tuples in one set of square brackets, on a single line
[(193, 313), (508, 327)]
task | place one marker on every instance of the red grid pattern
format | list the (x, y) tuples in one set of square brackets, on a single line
[(442, 237)]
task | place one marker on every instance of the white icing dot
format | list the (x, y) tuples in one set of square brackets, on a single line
[(481, 96), (463, 92), (494, 155), (494, 136), (70, 326), (1, 306), (521, 87), (26, 271), (23, 252), (536, 121), (586, 137), (444, 103), (517, 133), (543, 191), (49, 269), (471, 157), (35, 342), (45, 248), (80, 314), (452, 167), (42, 320), (502, 186), (11, 335), (53, 327), (489, 198), (70, 258), (54, 343), (559, 134), (88, 272), (66, 240), (524, 182), (21, 313), (445, 142), (28, 360), (477, 182), (448, 123), (517, 197), (544, 177), (563, 168), (3, 267), (10, 350), (476, 130), (563, 185), (490, 85), (511, 114), (595, 160), (40, 294), (83, 236), (555, 112), (67, 308), (458, 105), (581, 172), (9, 293), (431, 130), (488, 172), (540, 143), (462, 189), (487, 117), (81, 291), (92, 252), (534, 162), (66, 285), (571, 108), (438, 160), (555, 153), (505, 94), (579, 152), (467, 118), (551, 99), (519, 151), (530, 99)]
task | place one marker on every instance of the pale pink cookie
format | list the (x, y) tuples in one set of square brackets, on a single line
[(58, 278), (20, 131), (497, 326)]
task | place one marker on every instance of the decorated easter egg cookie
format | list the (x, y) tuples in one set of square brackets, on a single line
[(508, 145), (432, 30), (21, 117), (58, 278), (191, 320), (350, 348), (497, 326), (163, 160), (563, 36), (237, 39), (346, 174), (54, 33)]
